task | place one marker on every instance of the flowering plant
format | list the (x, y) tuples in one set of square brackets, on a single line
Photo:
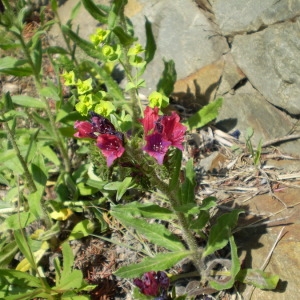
[(90, 158)]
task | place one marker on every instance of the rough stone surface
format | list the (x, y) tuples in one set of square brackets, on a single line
[(236, 16), (271, 61), (182, 33), (244, 109), (255, 245)]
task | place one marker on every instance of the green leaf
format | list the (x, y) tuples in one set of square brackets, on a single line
[(28, 101), (221, 231), (188, 186), (201, 221), (23, 245), (175, 163), (82, 229), (112, 87), (168, 78), (40, 176), (56, 50), (37, 52), (235, 268), (16, 221), (160, 262), (48, 153), (258, 278), (150, 43), (68, 260), (94, 11), (205, 115), (13, 66), (86, 46), (44, 122), (124, 38), (156, 233), (18, 278), (72, 281), (146, 210), (7, 254), (75, 10)]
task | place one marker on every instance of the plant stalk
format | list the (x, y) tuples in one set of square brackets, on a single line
[(58, 137), (28, 176)]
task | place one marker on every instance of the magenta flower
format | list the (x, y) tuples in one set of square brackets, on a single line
[(157, 146), (109, 140), (101, 124), (161, 132), (172, 129), (85, 130), (153, 284), (150, 118), (111, 147)]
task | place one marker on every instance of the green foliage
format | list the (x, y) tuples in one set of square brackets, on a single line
[(50, 177), (205, 115), (254, 153)]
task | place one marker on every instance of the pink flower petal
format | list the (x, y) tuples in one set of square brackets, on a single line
[(111, 147), (157, 146)]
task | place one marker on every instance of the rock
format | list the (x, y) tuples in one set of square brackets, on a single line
[(199, 88), (84, 21), (256, 245), (247, 108), (271, 61), (231, 75), (238, 16), (182, 33)]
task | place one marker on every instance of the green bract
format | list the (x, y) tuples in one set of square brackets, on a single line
[(69, 78), (111, 53), (157, 99), (85, 104), (84, 86), (104, 108), (99, 36), (135, 50)]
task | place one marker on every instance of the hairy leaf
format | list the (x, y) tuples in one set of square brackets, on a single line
[(205, 115), (160, 262)]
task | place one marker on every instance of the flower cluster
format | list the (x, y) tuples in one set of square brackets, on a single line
[(108, 140), (161, 132), (153, 284)]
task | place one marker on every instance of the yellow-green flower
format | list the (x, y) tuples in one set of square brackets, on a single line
[(111, 53), (99, 37), (84, 86), (157, 99), (137, 61), (104, 108), (69, 78), (135, 50), (85, 104)]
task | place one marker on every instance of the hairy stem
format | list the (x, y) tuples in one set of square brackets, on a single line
[(27, 174)]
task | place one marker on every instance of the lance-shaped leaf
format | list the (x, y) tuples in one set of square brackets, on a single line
[(235, 268), (155, 233), (95, 11), (205, 115), (188, 186), (146, 210), (258, 278), (168, 78), (220, 232), (160, 262), (150, 42)]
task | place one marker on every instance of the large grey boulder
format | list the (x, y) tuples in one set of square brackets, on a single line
[(237, 16), (182, 33), (271, 61)]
